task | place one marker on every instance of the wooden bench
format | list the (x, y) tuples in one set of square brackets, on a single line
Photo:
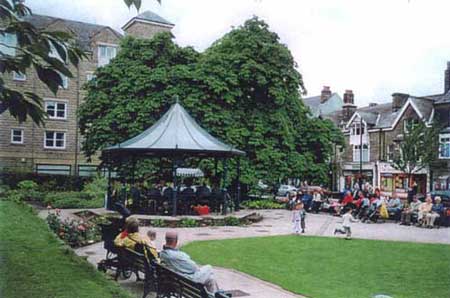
[(165, 282), (130, 260)]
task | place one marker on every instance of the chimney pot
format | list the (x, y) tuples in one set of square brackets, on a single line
[(325, 94), (398, 100)]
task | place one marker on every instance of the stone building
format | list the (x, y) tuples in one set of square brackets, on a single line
[(372, 134), (55, 147), (440, 170)]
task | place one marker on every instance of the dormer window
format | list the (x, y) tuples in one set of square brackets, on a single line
[(106, 53), (358, 128)]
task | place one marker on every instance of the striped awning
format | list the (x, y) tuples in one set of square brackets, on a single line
[(189, 172)]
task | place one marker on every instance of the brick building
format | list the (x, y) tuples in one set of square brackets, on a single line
[(55, 147)]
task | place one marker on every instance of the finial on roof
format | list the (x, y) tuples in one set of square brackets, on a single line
[(176, 98)]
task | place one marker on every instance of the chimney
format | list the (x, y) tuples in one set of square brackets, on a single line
[(326, 94), (398, 100), (447, 78), (349, 97), (372, 104), (349, 108)]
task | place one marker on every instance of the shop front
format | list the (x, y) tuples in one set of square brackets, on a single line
[(394, 181), (352, 175)]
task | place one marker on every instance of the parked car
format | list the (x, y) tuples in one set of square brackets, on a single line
[(284, 189)]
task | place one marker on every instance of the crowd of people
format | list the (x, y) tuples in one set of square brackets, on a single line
[(156, 198), (367, 205)]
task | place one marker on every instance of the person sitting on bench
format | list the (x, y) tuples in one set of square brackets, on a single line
[(181, 263), (133, 240)]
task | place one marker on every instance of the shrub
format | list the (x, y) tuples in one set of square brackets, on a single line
[(158, 223), (28, 185), (188, 223), (263, 204), (72, 199), (232, 221), (97, 187)]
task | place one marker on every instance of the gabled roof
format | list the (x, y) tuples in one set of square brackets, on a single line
[(318, 108), (83, 31), (176, 133), (149, 17), (381, 116)]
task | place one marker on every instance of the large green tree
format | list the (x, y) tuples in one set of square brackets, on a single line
[(244, 89)]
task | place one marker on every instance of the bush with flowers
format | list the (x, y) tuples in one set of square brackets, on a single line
[(75, 233)]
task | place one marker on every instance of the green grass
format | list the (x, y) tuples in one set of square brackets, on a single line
[(33, 263), (321, 267)]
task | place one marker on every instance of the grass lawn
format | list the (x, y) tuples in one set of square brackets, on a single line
[(33, 263), (322, 267)]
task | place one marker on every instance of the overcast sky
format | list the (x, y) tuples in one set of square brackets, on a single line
[(374, 47)]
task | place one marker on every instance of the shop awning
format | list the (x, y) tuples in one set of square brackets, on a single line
[(189, 172)]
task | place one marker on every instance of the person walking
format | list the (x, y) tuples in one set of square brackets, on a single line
[(347, 220)]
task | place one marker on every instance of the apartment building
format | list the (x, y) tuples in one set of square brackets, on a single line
[(55, 147)]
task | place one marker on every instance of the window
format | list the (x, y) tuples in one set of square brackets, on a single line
[(55, 140), (18, 76), (444, 141), (105, 54), (409, 124), (358, 128), (357, 153), (56, 110), (390, 151), (7, 43), (16, 136), (53, 169)]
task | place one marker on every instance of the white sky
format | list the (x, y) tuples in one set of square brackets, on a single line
[(374, 47)]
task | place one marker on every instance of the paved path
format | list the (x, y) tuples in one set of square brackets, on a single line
[(276, 222)]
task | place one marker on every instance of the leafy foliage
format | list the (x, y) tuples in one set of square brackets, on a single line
[(188, 223), (32, 50), (263, 204), (418, 148), (244, 90)]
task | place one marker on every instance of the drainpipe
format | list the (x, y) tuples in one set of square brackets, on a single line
[(76, 122)]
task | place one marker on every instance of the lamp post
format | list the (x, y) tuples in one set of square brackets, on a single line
[(360, 151)]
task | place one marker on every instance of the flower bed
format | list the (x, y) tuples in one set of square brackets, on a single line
[(75, 233)]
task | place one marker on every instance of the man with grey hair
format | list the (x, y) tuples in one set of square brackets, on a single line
[(181, 263)]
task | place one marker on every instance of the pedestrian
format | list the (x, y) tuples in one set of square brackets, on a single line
[(298, 218), (347, 220), (316, 201)]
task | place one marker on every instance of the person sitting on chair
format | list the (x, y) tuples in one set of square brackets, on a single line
[(181, 263), (410, 210), (424, 210), (394, 205), (436, 212)]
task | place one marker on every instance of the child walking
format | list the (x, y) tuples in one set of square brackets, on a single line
[(346, 224), (298, 218)]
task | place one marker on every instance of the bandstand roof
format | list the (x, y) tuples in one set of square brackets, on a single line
[(175, 134)]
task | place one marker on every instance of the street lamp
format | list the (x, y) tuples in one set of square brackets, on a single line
[(360, 151)]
